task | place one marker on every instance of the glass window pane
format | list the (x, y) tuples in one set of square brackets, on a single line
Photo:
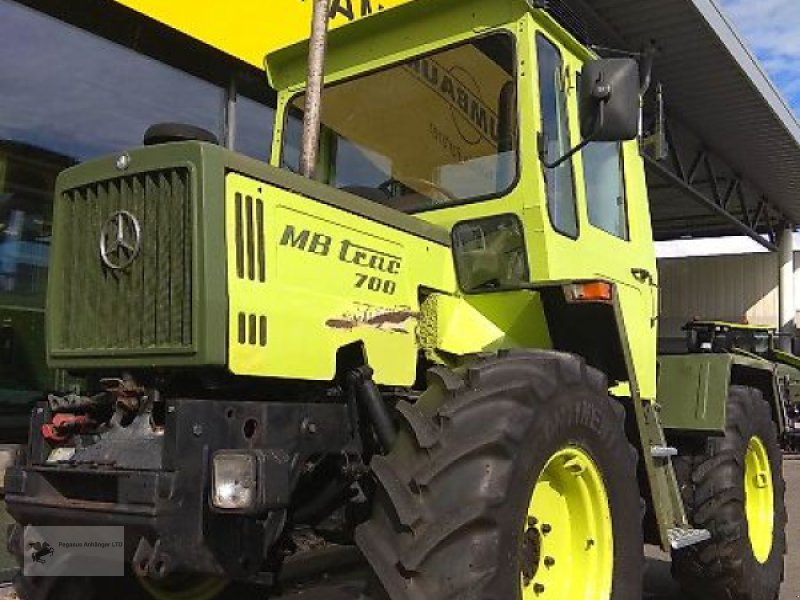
[(490, 253), (605, 187), (74, 93), (430, 132), (254, 123), (27, 181), (292, 139), (555, 137), (358, 166)]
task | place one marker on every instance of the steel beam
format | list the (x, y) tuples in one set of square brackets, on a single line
[(690, 167), (680, 184)]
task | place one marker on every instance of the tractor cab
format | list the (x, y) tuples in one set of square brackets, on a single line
[(493, 123)]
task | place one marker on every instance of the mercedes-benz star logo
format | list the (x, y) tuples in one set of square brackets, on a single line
[(120, 240)]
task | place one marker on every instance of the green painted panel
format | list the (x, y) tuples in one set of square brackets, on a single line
[(693, 390), (169, 308)]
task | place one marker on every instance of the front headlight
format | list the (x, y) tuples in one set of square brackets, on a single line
[(234, 480)]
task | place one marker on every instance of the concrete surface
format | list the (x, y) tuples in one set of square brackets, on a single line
[(658, 583), (791, 587)]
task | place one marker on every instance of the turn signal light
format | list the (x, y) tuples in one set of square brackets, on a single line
[(590, 291)]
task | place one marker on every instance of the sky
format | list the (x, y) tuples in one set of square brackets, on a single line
[(772, 29)]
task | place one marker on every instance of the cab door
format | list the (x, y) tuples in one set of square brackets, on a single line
[(617, 235), (597, 223)]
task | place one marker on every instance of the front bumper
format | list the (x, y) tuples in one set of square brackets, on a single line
[(158, 487)]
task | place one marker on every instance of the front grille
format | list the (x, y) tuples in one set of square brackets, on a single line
[(146, 305)]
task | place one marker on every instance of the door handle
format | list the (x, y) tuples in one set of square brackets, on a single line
[(642, 275)]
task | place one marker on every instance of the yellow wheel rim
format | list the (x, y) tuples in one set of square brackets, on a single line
[(759, 499), (567, 551), (184, 587)]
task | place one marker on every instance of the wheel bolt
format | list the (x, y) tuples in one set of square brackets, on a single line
[(549, 561), (546, 529), (538, 588), (533, 521)]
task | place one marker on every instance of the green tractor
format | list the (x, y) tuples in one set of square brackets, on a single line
[(440, 350), (749, 343)]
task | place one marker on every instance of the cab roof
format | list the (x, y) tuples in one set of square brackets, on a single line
[(387, 37)]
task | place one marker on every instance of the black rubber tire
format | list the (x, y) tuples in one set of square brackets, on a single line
[(712, 484), (453, 493)]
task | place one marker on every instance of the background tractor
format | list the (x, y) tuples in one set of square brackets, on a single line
[(441, 348), (754, 342)]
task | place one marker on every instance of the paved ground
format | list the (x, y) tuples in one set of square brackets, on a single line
[(658, 583)]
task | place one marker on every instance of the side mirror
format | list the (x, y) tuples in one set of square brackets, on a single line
[(609, 100)]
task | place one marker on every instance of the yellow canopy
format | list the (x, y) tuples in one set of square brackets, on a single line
[(249, 29)]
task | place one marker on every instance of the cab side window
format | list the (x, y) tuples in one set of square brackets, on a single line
[(604, 180), (605, 187), (559, 182)]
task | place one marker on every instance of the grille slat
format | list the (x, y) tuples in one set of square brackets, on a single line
[(147, 305), (188, 228), (249, 234), (175, 256), (162, 313), (262, 261), (251, 240), (239, 237)]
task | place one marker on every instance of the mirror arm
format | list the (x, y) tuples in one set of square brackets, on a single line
[(567, 156), (646, 66), (552, 165)]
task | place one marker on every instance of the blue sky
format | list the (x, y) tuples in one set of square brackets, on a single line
[(772, 29)]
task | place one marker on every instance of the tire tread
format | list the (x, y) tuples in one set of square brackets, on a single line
[(467, 418)]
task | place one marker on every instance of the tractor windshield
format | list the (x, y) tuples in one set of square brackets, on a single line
[(433, 131)]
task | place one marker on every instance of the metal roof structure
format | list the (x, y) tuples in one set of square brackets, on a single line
[(733, 164)]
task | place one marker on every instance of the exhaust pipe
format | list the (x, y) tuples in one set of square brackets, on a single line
[(316, 70)]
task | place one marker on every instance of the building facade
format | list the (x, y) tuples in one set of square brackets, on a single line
[(737, 288), (78, 80)]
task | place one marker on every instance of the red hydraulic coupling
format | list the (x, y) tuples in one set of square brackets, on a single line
[(64, 425)]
